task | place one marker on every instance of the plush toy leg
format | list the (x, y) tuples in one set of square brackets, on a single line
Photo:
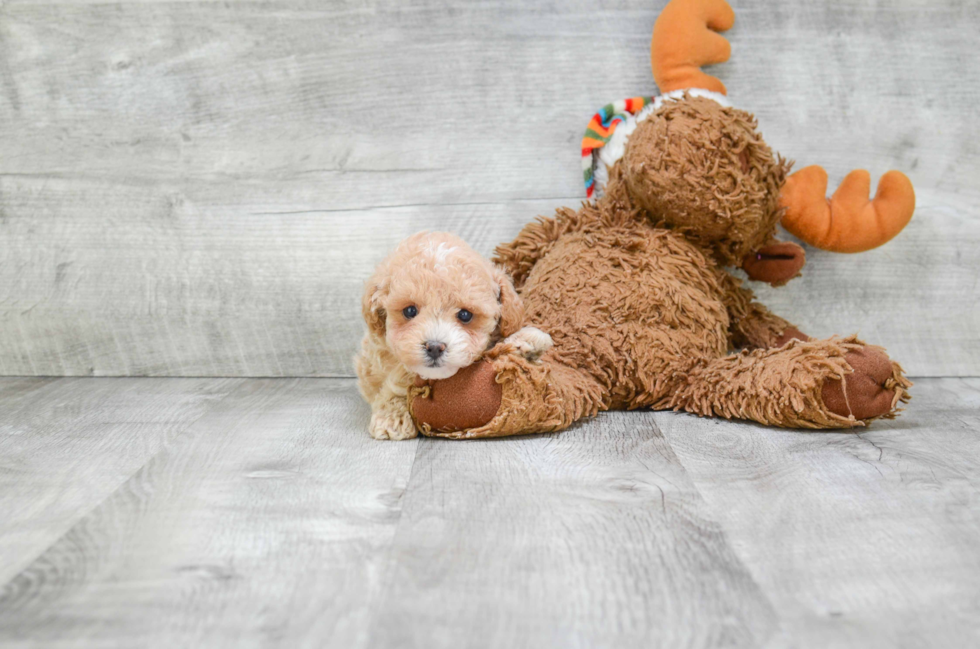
[(835, 383), (533, 397)]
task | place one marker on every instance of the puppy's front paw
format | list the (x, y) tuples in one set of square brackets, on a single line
[(530, 342), (392, 423)]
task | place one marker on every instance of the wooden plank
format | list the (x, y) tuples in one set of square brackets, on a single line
[(858, 540), (267, 524), (209, 289), (197, 188), (275, 519), (67, 444), (354, 104), (591, 538), (257, 295)]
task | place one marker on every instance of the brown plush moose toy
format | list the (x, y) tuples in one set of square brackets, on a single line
[(633, 287)]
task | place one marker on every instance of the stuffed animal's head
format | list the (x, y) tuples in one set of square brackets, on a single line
[(704, 169)]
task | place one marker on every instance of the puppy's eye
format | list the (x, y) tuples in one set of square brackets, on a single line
[(464, 316), (410, 311)]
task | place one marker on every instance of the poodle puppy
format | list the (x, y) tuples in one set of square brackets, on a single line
[(433, 307)]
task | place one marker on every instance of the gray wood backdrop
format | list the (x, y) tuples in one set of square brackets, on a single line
[(198, 188)]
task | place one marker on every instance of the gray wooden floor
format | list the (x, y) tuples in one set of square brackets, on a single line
[(257, 512)]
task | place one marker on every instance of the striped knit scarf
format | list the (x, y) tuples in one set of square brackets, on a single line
[(601, 129)]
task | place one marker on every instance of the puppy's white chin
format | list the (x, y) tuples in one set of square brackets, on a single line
[(435, 373)]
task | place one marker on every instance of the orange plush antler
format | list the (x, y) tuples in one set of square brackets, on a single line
[(848, 221), (684, 39)]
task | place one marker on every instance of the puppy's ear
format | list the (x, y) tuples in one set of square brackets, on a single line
[(372, 305), (511, 307)]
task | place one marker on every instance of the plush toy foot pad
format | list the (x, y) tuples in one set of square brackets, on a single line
[(870, 391), (468, 399)]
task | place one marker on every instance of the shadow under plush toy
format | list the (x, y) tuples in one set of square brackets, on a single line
[(633, 287)]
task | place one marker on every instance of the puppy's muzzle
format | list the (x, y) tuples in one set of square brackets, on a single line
[(434, 350)]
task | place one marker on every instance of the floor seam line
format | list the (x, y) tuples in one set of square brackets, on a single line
[(122, 483), (388, 563), (727, 537)]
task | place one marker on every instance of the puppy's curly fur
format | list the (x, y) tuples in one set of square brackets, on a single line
[(433, 307)]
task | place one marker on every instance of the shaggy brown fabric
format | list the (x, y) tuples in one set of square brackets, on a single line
[(704, 169), (792, 333), (784, 386), (751, 325)]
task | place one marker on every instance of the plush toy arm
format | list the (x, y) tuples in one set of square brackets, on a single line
[(505, 394)]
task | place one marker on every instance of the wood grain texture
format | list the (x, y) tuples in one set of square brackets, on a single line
[(591, 538), (274, 520), (267, 525), (858, 540), (199, 188), (67, 444)]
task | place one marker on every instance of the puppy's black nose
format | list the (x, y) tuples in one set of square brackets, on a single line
[(434, 349)]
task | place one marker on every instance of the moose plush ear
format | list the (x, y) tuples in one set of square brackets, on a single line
[(372, 306), (511, 307)]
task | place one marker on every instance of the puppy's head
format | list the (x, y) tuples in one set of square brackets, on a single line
[(439, 305)]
